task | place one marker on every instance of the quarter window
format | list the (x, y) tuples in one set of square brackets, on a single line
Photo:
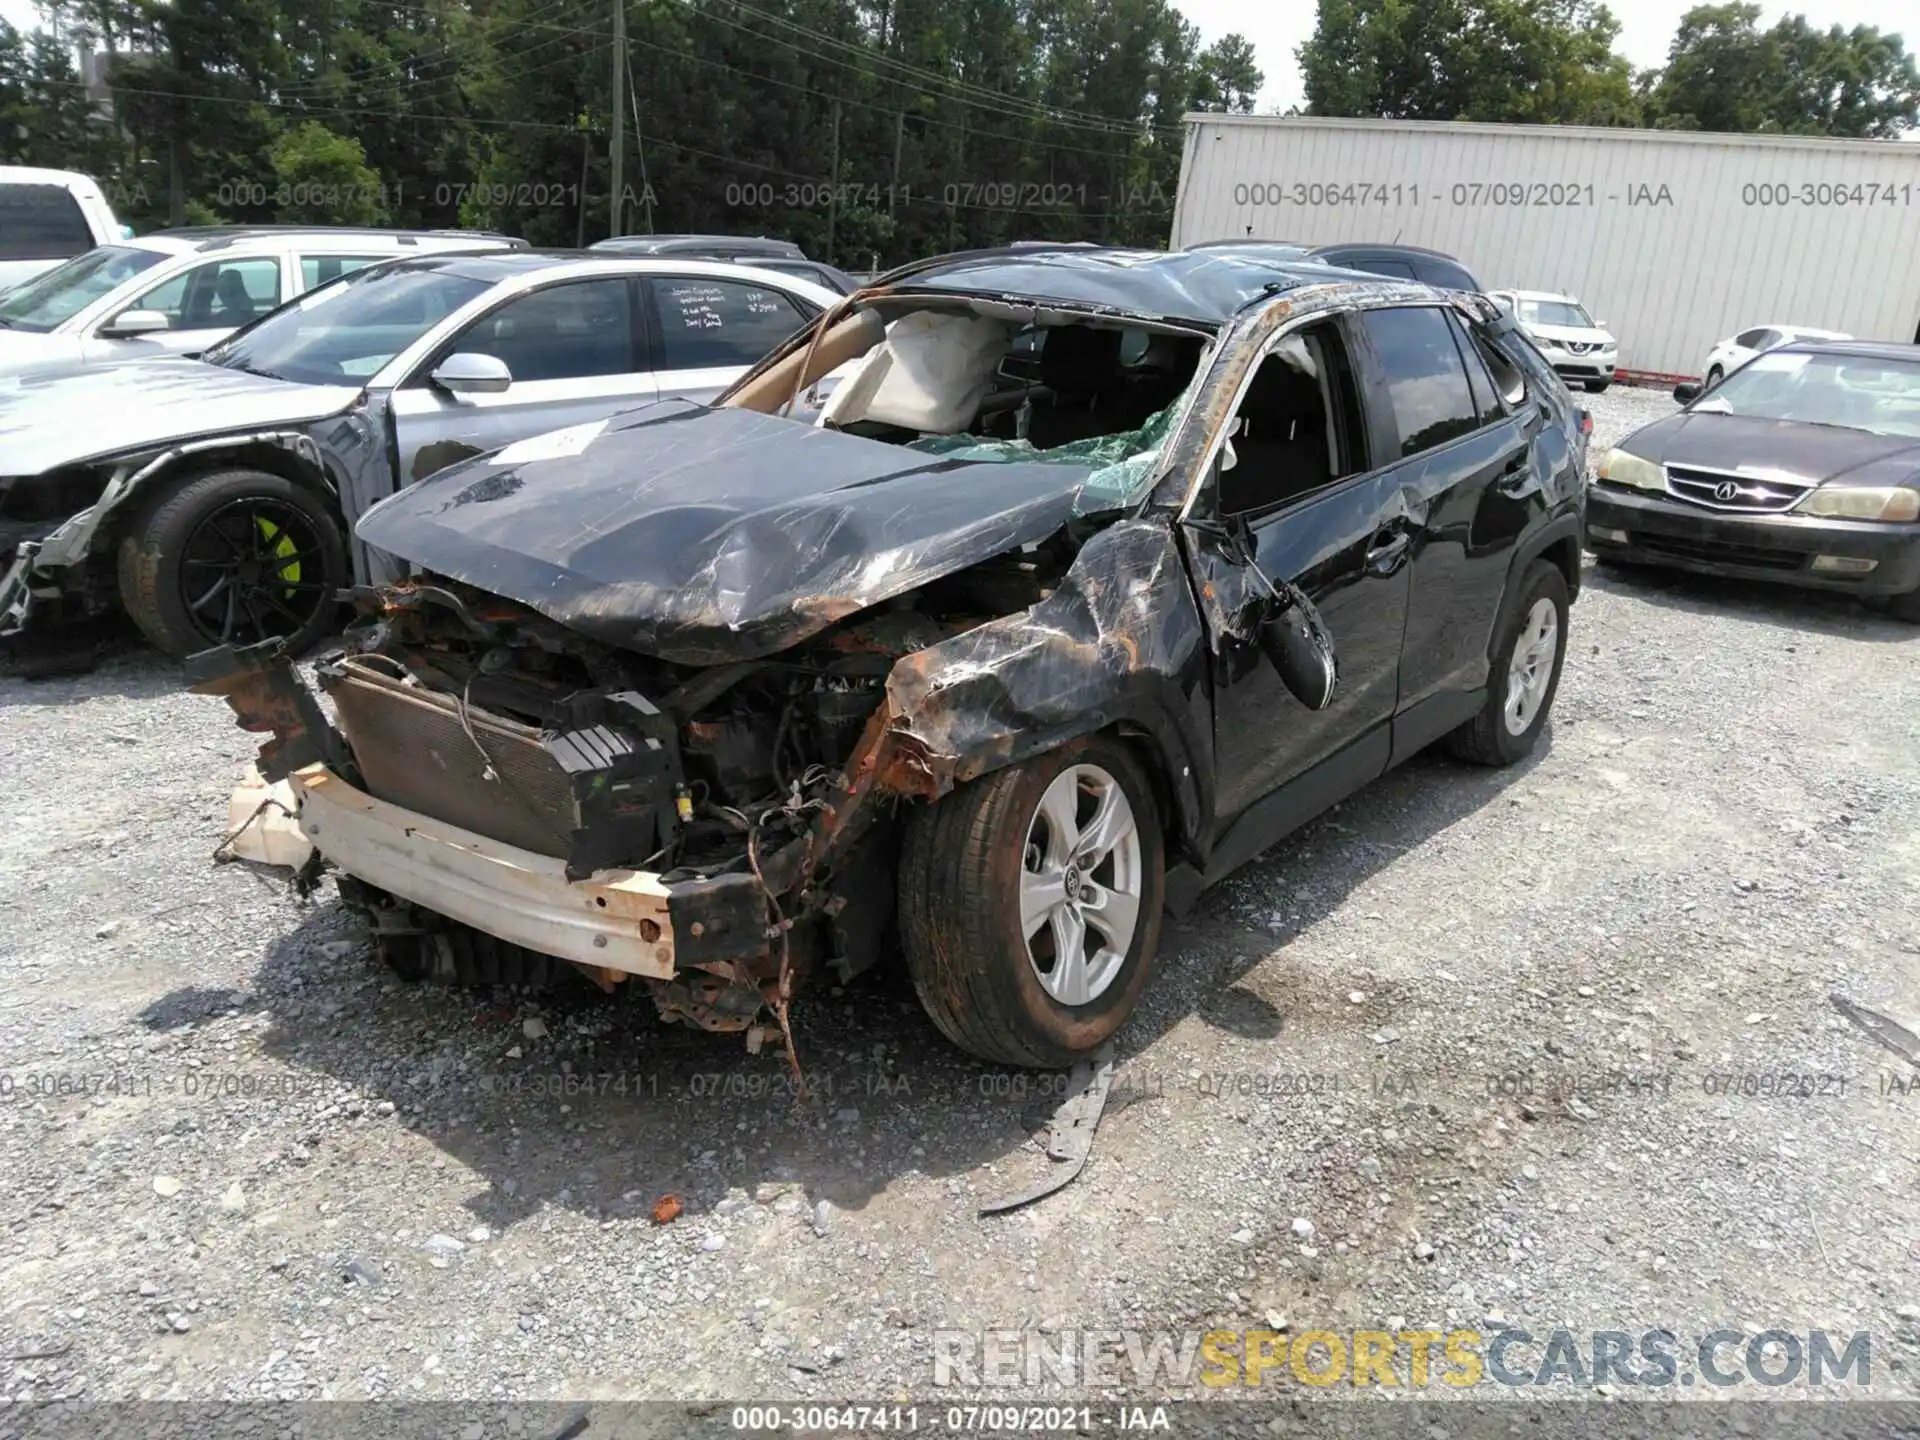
[(1427, 383), (318, 269), (710, 323)]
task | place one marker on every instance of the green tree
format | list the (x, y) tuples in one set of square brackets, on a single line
[(321, 178), (1724, 72), (1540, 61)]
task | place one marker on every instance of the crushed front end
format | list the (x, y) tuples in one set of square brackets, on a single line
[(500, 794)]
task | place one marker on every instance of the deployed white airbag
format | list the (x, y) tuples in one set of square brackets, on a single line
[(929, 376)]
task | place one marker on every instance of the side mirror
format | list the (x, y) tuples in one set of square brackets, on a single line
[(129, 323), (1297, 641), (1687, 391), (471, 373)]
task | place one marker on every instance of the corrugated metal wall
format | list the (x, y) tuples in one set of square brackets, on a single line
[(1754, 230)]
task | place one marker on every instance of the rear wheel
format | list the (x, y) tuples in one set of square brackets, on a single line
[(233, 557), (1524, 675), (1714, 376), (1030, 904)]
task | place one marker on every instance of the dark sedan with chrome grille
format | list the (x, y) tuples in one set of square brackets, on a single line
[(1803, 467)]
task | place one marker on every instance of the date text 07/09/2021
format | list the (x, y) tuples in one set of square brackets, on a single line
[(1561, 194)]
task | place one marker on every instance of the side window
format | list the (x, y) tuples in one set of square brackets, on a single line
[(41, 222), (706, 323), (1509, 380), (564, 332), (1750, 339), (223, 294), (1426, 381), (1399, 269), (318, 269), (1298, 428)]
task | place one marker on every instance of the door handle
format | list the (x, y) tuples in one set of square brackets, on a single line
[(1516, 475), (1386, 550)]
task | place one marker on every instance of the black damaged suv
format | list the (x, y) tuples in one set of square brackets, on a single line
[(985, 662)]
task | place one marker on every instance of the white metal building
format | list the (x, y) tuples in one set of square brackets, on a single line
[(1674, 239)]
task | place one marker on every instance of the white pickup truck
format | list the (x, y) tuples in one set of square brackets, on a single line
[(47, 216)]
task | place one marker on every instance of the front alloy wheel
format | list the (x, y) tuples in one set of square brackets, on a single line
[(1080, 885), (1030, 903), (234, 557)]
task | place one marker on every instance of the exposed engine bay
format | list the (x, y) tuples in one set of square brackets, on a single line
[(458, 705)]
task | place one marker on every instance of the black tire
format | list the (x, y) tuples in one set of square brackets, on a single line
[(960, 904), (1715, 376), (286, 526), (1597, 387), (1486, 739), (1905, 607)]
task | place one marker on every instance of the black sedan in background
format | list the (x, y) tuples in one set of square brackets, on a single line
[(1802, 467)]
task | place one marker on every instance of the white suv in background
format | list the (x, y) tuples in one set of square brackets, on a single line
[(1730, 354), (47, 216), (176, 292), (1573, 342)]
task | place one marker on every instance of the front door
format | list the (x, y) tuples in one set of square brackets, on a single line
[(1322, 516), (203, 306), (575, 352)]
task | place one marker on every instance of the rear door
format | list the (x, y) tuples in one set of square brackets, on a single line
[(576, 351), (708, 332), (1464, 444)]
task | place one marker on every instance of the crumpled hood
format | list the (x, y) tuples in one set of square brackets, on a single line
[(705, 536), (1809, 454), (68, 416)]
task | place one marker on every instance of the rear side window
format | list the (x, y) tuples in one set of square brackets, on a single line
[(1427, 386), (41, 222), (1751, 339), (318, 269), (1399, 269), (704, 323), (1447, 277)]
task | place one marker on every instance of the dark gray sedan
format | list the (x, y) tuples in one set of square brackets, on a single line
[(1802, 467)]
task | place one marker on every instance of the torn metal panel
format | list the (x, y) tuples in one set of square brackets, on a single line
[(260, 687), (1070, 1137), (1120, 642), (708, 536)]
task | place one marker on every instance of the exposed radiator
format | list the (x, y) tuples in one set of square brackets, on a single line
[(414, 750)]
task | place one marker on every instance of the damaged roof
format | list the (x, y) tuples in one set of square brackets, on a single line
[(1201, 286)]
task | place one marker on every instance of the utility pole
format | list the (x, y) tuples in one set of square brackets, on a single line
[(833, 195), (899, 139), (616, 157)]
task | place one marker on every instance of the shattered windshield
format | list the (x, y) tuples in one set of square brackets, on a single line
[(1124, 465)]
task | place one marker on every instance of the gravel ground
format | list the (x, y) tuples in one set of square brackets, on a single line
[(294, 1177)]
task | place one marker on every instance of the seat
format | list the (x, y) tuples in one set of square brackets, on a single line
[(1081, 367), (231, 302), (1281, 450)]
